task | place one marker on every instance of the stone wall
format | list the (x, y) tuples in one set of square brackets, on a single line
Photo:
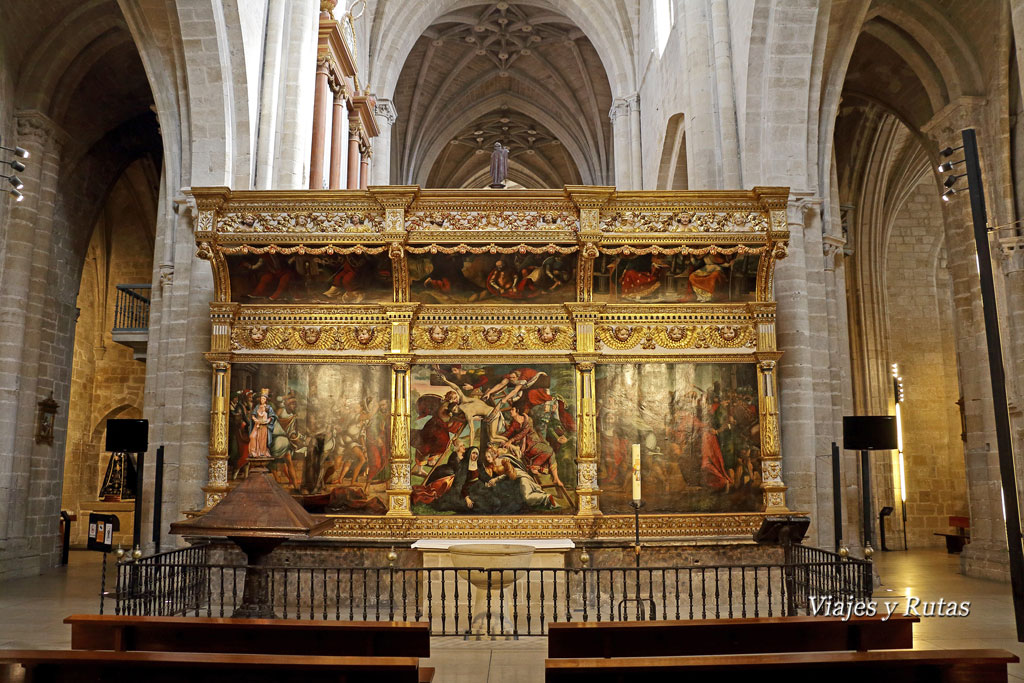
[(919, 309)]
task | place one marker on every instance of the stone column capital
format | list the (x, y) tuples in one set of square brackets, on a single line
[(1011, 251), (37, 129), (620, 107), (385, 109)]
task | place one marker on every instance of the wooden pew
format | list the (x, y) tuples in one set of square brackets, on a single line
[(253, 636), (906, 666), (728, 636), (92, 666)]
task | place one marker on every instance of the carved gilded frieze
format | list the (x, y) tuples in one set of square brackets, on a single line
[(289, 222), (626, 337), (737, 525), (311, 338), (494, 337), (684, 221), (517, 221)]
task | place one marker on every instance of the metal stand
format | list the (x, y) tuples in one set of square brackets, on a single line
[(1004, 445), (641, 609), (837, 498), (636, 505), (865, 478)]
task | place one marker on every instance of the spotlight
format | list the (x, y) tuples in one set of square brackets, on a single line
[(16, 165), (949, 150), (948, 193), (948, 166), (17, 195), (15, 181), (18, 151), (951, 180)]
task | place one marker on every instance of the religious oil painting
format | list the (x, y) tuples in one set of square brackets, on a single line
[(493, 439), (675, 278), (327, 428), (544, 278), (310, 278), (698, 428)]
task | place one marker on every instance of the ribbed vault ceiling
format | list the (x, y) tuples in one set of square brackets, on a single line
[(508, 72)]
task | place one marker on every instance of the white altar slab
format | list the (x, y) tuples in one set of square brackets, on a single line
[(543, 544)]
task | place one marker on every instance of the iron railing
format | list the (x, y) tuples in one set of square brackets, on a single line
[(468, 601), (131, 308)]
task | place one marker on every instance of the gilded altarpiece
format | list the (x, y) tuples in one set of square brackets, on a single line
[(481, 363)]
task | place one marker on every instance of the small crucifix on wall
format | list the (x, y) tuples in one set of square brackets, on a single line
[(47, 411)]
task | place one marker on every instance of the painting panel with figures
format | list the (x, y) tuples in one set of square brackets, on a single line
[(675, 278), (310, 278), (493, 439), (698, 428), (545, 278), (327, 428)]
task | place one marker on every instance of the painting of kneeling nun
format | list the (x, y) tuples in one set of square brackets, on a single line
[(493, 439)]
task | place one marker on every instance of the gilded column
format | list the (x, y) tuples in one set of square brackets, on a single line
[(771, 453), (355, 130), (586, 444), (217, 480), (585, 316), (400, 484), (316, 157)]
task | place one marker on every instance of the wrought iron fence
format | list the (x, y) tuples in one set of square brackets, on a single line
[(821, 573), (513, 602), (131, 308)]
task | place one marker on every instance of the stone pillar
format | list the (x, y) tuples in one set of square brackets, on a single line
[(354, 133), (986, 555), (1011, 250), (635, 148), (386, 117), (24, 278), (316, 157), (795, 371), (337, 139), (619, 115)]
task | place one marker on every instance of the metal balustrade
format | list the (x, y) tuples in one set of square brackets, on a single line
[(131, 308), (184, 582)]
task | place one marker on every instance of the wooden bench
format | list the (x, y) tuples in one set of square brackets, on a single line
[(253, 636), (728, 636), (955, 542), (906, 666), (92, 666)]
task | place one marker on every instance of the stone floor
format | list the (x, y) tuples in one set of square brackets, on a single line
[(31, 611)]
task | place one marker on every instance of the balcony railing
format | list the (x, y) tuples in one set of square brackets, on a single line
[(131, 308)]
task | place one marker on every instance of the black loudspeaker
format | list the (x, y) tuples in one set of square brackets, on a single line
[(869, 433), (127, 436)]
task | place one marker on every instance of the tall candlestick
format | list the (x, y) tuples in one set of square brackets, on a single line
[(636, 471)]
